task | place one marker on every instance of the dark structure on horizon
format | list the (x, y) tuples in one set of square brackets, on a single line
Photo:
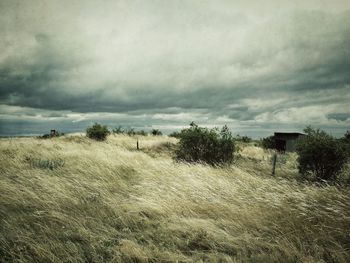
[(286, 141), (53, 133)]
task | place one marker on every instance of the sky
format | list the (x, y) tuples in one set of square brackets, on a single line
[(256, 66)]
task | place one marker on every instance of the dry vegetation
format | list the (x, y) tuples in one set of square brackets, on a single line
[(71, 199)]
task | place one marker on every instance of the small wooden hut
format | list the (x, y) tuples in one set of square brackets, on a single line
[(286, 141)]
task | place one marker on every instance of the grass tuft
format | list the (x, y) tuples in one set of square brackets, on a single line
[(50, 164)]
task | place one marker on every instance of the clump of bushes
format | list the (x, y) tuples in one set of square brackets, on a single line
[(156, 132), (211, 146), (118, 130), (175, 134), (346, 140), (244, 139), (346, 137), (268, 142), (51, 135), (97, 132), (321, 155), (129, 131), (141, 132)]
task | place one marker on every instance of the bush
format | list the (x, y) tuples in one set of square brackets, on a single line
[(129, 131), (345, 140), (244, 138), (320, 155), (268, 142), (118, 130), (156, 132), (141, 132), (203, 145), (49, 135), (346, 137), (45, 136), (97, 132), (175, 134)]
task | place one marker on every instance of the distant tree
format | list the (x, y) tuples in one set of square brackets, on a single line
[(156, 132), (199, 144), (97, 132), (320, 154)]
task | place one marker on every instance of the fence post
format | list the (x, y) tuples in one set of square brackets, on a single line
[(137, 144), (274, 159)]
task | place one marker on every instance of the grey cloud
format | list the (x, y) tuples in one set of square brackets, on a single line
[(176, 58), (339, 116)]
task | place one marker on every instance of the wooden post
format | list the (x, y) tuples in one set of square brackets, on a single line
[(274, 159), (137, 144)]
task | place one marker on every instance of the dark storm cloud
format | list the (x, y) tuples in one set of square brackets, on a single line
[(228, 62), (339, 116)]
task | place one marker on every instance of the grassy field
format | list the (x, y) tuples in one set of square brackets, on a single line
[(71, 199)]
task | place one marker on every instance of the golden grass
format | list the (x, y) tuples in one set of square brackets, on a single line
[(112, 203)]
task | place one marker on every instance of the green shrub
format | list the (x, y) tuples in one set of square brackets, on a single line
[(118, 130), (97, 132), (156, 132), (141, 132), (45, 136), (346, 139), (244, 138), (175, 134), (268, 142), (130, 131), (49, 136), (320, 155), (211, 146)]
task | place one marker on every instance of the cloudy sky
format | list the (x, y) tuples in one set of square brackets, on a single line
[(257, 66)]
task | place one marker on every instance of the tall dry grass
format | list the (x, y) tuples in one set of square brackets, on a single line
[(107, 202)]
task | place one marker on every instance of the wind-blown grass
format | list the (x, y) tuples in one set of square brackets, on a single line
[(112, 203)]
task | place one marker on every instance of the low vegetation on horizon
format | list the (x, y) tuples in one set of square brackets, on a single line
[(76, 199)]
